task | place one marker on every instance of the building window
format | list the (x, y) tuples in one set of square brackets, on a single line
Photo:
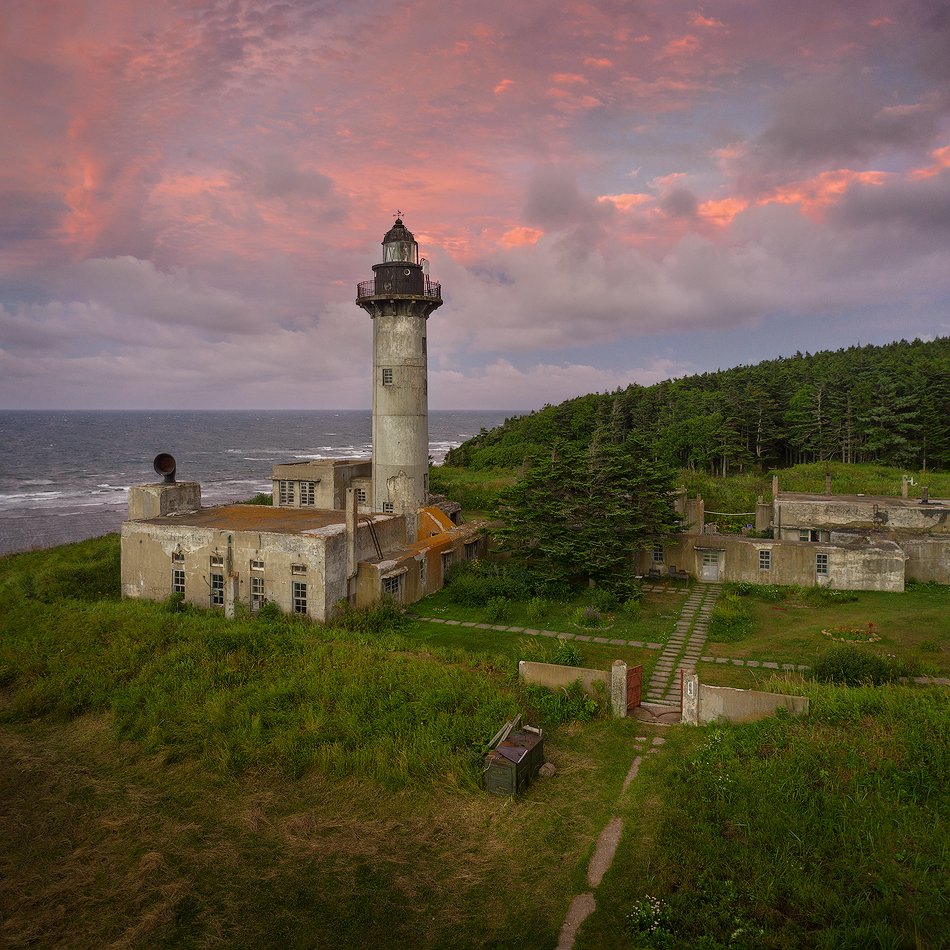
[(257, 593), (178, 557), (257, 565), (308, 493), (298, 568), (217, 560), (178, 582), (361, 495), (471, 550), (300, 597), (392, 587), (821, 564), (388, 507), (387, 376), (765, 560), (285, 492), (217, 590), (658, 557), (446, 564)]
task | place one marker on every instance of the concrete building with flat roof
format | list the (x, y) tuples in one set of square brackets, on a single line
[(340, 530)]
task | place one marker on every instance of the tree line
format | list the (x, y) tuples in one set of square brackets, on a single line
[(887, 404)]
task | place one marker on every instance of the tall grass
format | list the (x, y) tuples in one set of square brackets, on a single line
[(826, 831), (247, 694)]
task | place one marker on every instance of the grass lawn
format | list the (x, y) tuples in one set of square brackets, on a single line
[(654, 623), (913, 626)]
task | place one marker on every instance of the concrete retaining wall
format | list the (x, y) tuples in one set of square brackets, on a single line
[(703, 704), (555, 676)]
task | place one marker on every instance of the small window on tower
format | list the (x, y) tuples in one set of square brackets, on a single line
[(361, 495), (388, 507), (387, 376)]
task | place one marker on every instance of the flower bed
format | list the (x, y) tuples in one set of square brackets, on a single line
[(866, 634)]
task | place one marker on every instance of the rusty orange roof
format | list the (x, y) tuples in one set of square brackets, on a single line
[(256, 518)]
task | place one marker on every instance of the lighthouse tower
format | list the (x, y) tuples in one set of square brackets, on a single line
[(399, 299)]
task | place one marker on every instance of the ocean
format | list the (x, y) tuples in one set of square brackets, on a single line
[(64, 475)]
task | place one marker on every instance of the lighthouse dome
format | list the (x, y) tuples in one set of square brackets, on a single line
[(400, 245)]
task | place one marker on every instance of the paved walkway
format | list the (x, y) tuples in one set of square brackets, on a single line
[(583, 905), (684, 646), (560, 635)]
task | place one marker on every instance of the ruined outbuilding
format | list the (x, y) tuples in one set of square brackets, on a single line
[(850, 542)]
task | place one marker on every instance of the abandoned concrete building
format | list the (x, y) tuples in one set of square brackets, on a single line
[(851, 542), (354, 530)]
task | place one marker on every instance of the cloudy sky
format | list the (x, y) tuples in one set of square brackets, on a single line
[(612, 191)]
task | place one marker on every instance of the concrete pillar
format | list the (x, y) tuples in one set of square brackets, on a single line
[(701, 513), (903, 486), (618, 689), (691, 699), (924, 495), (230, 595), (828, 484), (774, 487)]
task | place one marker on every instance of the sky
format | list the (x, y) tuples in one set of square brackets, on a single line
[(610, 192)]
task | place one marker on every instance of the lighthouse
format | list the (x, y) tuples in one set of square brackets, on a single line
[(399, 299)]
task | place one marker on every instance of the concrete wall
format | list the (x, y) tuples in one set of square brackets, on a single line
[(555, 676), (928, 559), (332, 478), (147, 564), (852, 511), (156, 501), (857, 567), (703, 704)]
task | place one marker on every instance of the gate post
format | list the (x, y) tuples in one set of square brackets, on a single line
[(691, 699), (618, 689)]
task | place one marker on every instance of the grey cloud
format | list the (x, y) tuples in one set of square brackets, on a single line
[(922, 207), (26, 215), (680, 203), (839, 118)]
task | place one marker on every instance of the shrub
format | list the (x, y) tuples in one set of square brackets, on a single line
[(568, 704), (729, 621), (498, 609), (538, 609), (853, 666), (261, 498), (383, 617), (174, 603), (269, 611), (602, 598), (767, 592), (567, 654), (827, 595), (631, 607), (587, 617)]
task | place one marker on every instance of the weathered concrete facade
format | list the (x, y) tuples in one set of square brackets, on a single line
[(399, 300), (704, 704), (322, 483), (863, 565), (306, 562)]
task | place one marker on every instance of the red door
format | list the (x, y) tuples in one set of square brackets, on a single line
[(634, 684)]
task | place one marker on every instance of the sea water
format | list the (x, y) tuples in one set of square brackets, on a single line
[(64, 476)]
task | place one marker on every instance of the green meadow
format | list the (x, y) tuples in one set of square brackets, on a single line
[(175, 779)]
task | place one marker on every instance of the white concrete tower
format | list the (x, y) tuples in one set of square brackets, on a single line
[(399, 299)]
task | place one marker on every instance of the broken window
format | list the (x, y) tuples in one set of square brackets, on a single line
[(286, 492), (257, 593), (217, 590), (308, 493), (178, 582), (300, 597), (387, 376), (392, 586)]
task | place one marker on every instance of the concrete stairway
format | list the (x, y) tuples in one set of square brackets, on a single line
[(684, 646)]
